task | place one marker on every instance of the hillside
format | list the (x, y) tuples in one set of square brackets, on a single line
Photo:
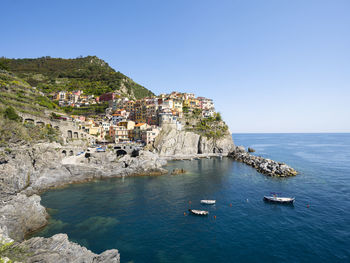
[(90, 74), (17, 96), (17, 93)]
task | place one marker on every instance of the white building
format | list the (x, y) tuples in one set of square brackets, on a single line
[(149, 135)]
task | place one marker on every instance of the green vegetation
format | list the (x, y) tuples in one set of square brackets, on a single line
[(11, 114), (45, 102), (4, 63), (16, 94), (185, 109), (13, 252), (108, 138), (14, 131), (90, 74), (211, 127), (94, 109)]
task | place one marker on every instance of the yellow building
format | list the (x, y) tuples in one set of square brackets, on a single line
[(129, 125), (177, 105)]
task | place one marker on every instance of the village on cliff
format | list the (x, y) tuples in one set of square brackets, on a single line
[(129, 121)]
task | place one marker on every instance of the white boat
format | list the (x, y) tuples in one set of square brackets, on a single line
[(198, 212), (283, 200), (208, 202)]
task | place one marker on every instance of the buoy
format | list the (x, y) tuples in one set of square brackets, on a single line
[(214, 217), (230, 204), (308, 206), (184, 213)]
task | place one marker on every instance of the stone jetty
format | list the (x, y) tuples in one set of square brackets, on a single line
[(262, 165)]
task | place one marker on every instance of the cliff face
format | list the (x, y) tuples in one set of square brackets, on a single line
[(173, 142)]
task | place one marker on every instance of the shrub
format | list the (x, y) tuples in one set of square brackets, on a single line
[(11, 114), (8, 150)]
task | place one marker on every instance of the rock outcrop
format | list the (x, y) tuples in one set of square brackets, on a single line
[(262, 165), (58, 249), (28, 170), (171, 142), (21, 214), (178, 171), (250, 150)]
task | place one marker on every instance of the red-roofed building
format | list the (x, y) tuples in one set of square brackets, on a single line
[(107, 97)]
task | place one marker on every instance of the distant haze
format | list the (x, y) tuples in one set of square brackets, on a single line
[(270, 66)]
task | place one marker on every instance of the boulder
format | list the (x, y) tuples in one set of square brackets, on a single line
[(177, 171), (239, 149), (250, 150), (21, 214)]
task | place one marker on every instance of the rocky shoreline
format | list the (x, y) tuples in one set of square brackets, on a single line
[(30, 170), (262, 165)]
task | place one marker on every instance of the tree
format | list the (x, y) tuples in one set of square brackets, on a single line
[(108, 138), (4, 63)]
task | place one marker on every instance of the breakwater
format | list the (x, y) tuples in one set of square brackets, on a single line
[(261, 164)]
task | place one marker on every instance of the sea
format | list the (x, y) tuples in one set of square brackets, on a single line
[(147, 218)]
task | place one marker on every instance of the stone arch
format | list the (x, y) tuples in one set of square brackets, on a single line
[(70, 134), (40, 123), (135, 153), (71, 153), (28, 120), (64, 152), (76, 135), (121, 152)]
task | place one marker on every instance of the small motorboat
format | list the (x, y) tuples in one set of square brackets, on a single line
[(208, 202), (199, 212), (276, 199)]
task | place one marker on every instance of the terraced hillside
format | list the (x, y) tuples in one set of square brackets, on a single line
[(17, 96), (17, 93)]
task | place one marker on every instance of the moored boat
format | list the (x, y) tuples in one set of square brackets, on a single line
[(282, 200), (199, 212), (208, 202)]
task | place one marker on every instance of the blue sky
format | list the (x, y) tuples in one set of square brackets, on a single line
[(269, 65)]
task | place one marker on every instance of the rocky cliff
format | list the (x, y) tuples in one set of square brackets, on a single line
[(28, 170), (173, 142)]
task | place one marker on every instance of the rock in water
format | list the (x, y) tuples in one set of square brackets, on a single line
[(250, 150), (178, 171)]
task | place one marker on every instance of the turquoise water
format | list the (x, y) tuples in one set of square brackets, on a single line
[(144, 216)]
